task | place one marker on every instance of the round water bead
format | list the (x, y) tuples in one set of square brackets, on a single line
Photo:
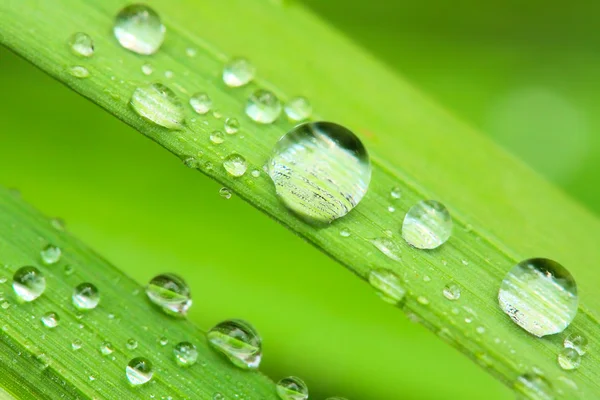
[(427, 225), (81, 44), (540, 296), (569, 359), (138, 28), (451, 291), (51, 254), (298, 109), (158, 104), (321, 170), (225, 193), (578, 342), (388, 285), (292, 388), (235, 165), (201, 103), (28, 283), (186, 354), (50, 319), (170, 293), (231, 125), (238, 72), (79, 71), (239, 341), (106, 348), (139, 371), (263, 107), (86, 296)]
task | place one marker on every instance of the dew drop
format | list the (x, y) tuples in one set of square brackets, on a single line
[(388, 247), (86, 296), (451, 291), (163, 341), (577, 342), (169, 74), (238, 72), (395, 193), (139, 371), (225, 193), (238, 341), (388, 285), (217, 137), (345, 233), (147, 69), (186, 354), (232, 126), (81, 44), (391, 209), (191, 162), (540, 296), (292, 388), (50, 254), (138, 28), (535, 387), (159, 104), (321, 171), (569, 359), (263, 107), (50, 319), (235, 165), (79, 71), (255, 173), (423, 300), (170, 293), (427, 225), (131, 344), (76, 344), (298, 109), (28, 283), (191, 52), (106, 348)]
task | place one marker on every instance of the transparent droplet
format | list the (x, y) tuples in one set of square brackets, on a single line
[(540, 296), (163, 341), (391, 209), (79, 71), (69, 269), (147, 69), (138, 28), (159, 104), (131, 344), (139, 371), (238, 72), (422, 300), (255, 173), (50, 319), (577, 342), (81, 44), (86, 296), (232, 126), (50, 254), (569, 359), (186, 354), (58, 224), (395, 193), (235, 165), (263, 107), (28, 283), (534, 387), (427, 225), (76, 344), (298, 109), (388, 247), (191, 162), (217, 137), (239, 341), (292, 388), (321, 170), (345, 233), (170, 293), (388, 285), (169, 74), (106, 348), (190, 52), (225, 193), (452, 291)]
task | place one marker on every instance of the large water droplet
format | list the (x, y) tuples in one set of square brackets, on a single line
[(170, 293), (238, 72), (388, 247), (452, 291), (138, 28), (139, 371), (50, 319), (239, 341), (186, 354), (159, 104), (28, 283), (569, 359), (427, 225), (86, 296), (235, 165), (534, 387), (81, 44), (263, 107), (292, 388), (388, 285), (321, 170), (50, 254), (578, 342), (540, 295), (298, 109)]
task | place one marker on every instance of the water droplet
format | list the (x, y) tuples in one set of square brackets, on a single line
[(191, 52), (480, 330), (217, 137), (186, 354), (138, 28), (81, 44), (292, 388), (451, 291), (69, 269), (217, 114), (50, 254), (465, 262), (388, 247), (569, 359), (535, 387), (235, 165), (191, 162), (147, 69), (131, 344), (50, 319), (239, 341), (171, 293), (238, 72), (76, 344), (139, 371), (169, 74), (321, 170), (159, 104), (86, 296), (79, 71), (58, 224), (163, 341), (263, 107), (388, 285), (423, 300), (577, 342), (29, 283), (391, 209), (540, 296), (298, 109), (427, 225), (225, 193), (106, 348), (395, 193), (345, 233), (232, 126)]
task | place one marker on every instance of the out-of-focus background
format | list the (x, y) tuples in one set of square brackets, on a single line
[(523, 72)]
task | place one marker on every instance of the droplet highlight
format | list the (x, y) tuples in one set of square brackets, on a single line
[(138, 28), (238, 341), (427, 225)]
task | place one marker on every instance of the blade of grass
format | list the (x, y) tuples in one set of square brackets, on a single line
[(503, 211)]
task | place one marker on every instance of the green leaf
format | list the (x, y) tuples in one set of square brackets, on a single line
[(503, 212)]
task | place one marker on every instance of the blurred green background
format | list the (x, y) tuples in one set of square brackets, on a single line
[(523, 72)]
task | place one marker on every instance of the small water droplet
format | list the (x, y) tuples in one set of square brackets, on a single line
[(50, 319), (235, 165), (131, 344), (79, 71), (217, 137), (191, 162), (159, 104), (163, 341), (58, 224), (217, 114), (86, 296), (238, 341), (540, 296), (5, 305), (534, 386), (569, 359), (263, 107), (423, 300), (232, 126), (480, 330), (292, 388), (298, 109), (345, 233), (138, 28), (321, 170), (465, 262), (28, 283), (427, 225), (186, 354), (451, 291), (147, 69), (106, 348), (169, 74), (577, 342), (50, 254), (69, 269), (76, 344), (388, 247), (81, 44), (139, 371), (391, 209), (388, 285), (190, 52), (395, 193), (225, 193), (238, 72), (255, 173), (170, 293)]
